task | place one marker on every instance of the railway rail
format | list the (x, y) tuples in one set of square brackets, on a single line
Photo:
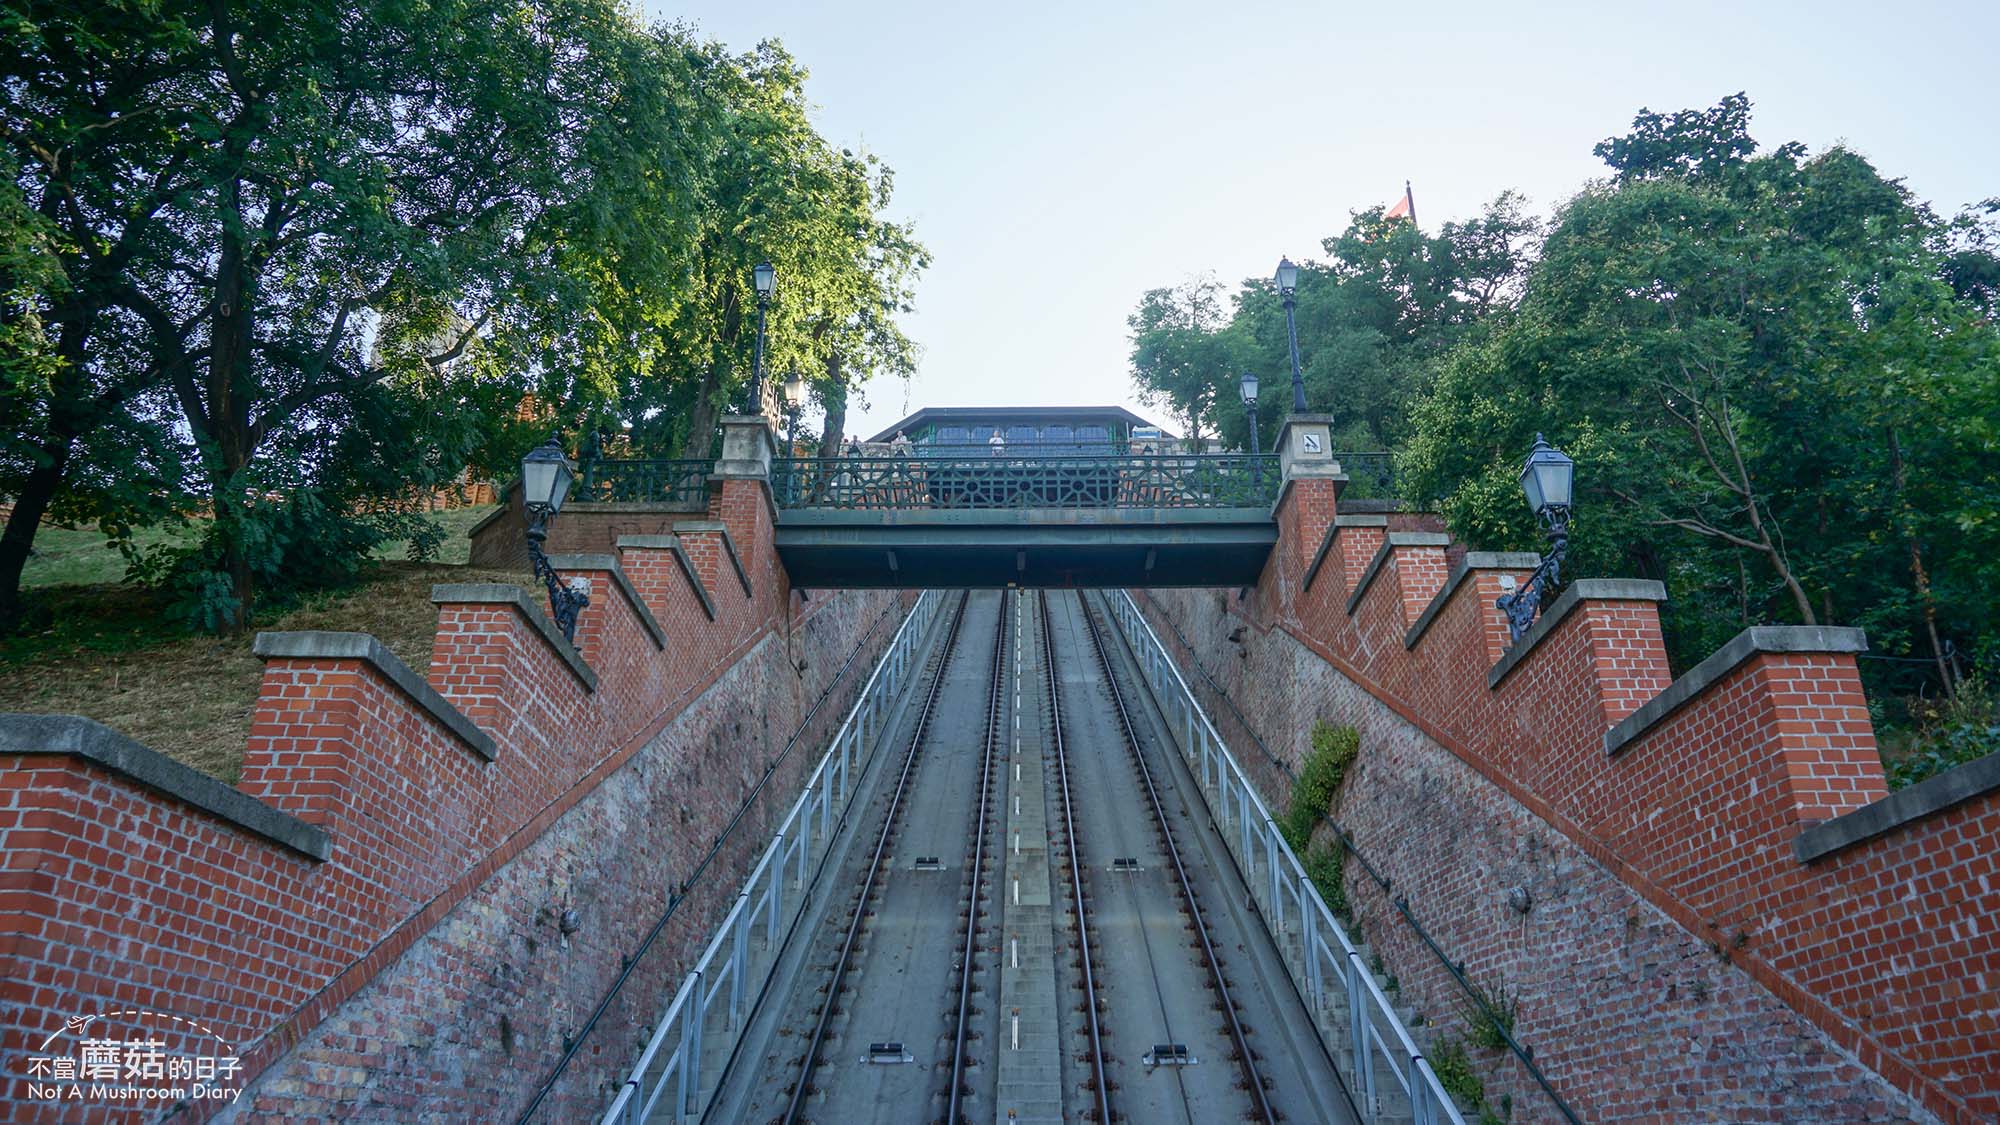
[(1094, 1047), (885, 1012), (1246, 1059), (816, 1042)]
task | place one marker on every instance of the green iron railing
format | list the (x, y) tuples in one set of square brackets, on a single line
[(1210, 480), (603, 480), (1370, 476)]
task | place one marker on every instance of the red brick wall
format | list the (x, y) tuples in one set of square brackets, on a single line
[(1679, 960), (418, 970)]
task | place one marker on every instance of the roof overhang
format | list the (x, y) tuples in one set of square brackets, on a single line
[(1002, 413)]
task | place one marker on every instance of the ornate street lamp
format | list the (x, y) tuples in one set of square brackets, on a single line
[(1249, 389), (795, 399), (766, 279), (1288, 287), (1547, 478), (546, 475)]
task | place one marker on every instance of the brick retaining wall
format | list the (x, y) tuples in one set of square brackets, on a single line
[(370, 920), (1680, 959)]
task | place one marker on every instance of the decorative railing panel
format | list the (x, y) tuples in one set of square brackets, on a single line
[(605, 480), (1370, 476), (1225, 480)]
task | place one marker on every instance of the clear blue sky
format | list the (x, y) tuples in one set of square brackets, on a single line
[(1060, 159)]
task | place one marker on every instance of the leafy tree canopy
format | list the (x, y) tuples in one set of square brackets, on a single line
[(256, 250)]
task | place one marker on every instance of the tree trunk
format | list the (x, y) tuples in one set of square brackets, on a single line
[(1919, 574), (69, 417), (700, 439), (228, 405), (19, 540), (835, 393)]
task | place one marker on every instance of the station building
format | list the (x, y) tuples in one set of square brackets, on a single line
[(1028, 431)]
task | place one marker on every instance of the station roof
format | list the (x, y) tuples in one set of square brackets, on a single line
[(1023, 414)]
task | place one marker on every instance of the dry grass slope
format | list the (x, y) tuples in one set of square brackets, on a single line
[(190, 698)]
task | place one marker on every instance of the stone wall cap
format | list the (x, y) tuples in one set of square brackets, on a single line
[(1926, 798), (1361, 521), (1473, 560), (1595, 589), (495, 593), (649, 542), (611, 564), (92, 741), (1418, 539), (1741, 648), (634, 507), (326, 645)]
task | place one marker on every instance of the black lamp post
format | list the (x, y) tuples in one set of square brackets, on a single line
[(1288, 287), (766, 279), (1249, 388), (546, 475), (1547, 478)]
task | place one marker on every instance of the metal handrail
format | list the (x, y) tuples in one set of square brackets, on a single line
[(1522, 1053), (1002, 481), (727, 956), (1252, 836)]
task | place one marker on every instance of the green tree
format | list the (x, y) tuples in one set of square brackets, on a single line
[(1373, 320), (272, 224), (1779, 403), (1182, 360)]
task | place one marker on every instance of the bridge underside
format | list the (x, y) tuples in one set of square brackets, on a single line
[(1028, 547)]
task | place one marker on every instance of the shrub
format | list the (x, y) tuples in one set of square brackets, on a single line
[(1333, 750), (1964, 728)]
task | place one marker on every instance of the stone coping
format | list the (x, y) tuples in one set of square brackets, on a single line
[(673, 543), (493, 593), (611, 564), (77, 737), (1311, 470), (1926, 798), (1390, 542), (728, 545), (1598, 589), (322, 645), (1740, 649), (1473, 560), (1326, 541), (1398, 507)]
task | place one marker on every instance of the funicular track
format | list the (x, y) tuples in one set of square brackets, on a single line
[(1094, 1047), (1155, 994), (940, 802), (1194, 963)]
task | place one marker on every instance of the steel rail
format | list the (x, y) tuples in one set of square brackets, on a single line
[(1265, 1112), (994, 701), (796, 1106), (1075, 868)]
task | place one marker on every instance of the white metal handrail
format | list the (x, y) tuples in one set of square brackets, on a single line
[(1321, 959), (672, 1057)]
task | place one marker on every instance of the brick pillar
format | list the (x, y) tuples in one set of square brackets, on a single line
[(742, 501), (1356, 542)]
